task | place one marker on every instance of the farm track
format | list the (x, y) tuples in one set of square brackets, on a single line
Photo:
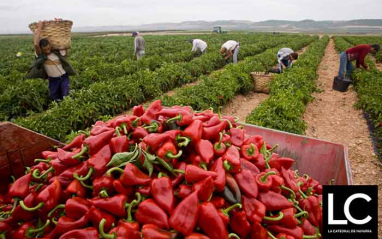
[(332, 117), (242, 105)]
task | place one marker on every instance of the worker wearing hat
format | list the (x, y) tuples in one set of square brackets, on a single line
[(139, 45)]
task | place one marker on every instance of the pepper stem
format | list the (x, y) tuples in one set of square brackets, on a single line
[(278, 218), (172, 156), (293, 195), (139, 198), (271, 235), (86, 186), (131, 205), (178, 171), (318, 235), (265, 177), (42, 160), (102, 232), (55, 209), (123, 125), (303, 213), (119, 170), (83, 150), (185, 141), (152, 128), (220, 111), (302, 194), (2, 236), (233, 235), (229, 123), (179, 117), (35, 172), (227, 210), (31, 209), (32, 230), (117, 129), (227, 166), (203, 166), (103, 194), (91, 170)]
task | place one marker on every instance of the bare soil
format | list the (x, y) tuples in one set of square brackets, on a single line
[(333, 117), (378, 65)]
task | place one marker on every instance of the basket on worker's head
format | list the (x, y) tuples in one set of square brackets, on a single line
[(261, 81), (57, 31)]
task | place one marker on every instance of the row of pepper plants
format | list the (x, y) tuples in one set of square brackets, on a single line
[(368, 85), (290, 93), (355, 40), (83, 107), (95, 59), (222, 87)]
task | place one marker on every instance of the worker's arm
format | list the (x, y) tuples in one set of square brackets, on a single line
[(37, 38), (193, 46), (229, 54), (361, 60)]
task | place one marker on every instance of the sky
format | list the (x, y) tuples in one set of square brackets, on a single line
[(16, 15)]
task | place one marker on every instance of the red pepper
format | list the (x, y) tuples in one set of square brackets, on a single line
[(163, 194), (155, 140), (231, 160), (254, 209), (205, 149), (240, 224), (89, 232), (256, 140), (140, 133), (76, 142), (152, 231), (121, 189), (277, 182), (296, 232), (145, 190), (249, 152), (27, 230), (119, 232), (57, 166), (264, 181), (205, 188), (219, 147), (149, 212), (5, 230), (115, 205), (217, 201), (103, 184), (76, 207), (245, 164), (215, 120), (138, 110), (66, 224), (258, 231), (96, 215), (195, 160), (183, 117), (196, 174), (234, 187), (220, 179), (277, 163), (213, 131), (183, 219), (237, 136), (224, 213), (247, 183), (308, 227), (168, 151), (119, 144), (196, 236), (75, 188), (184, 191), (178, 179), (289, 218), (210, 221), (65, 157), (260, 163), (289, 179), (99, 127), (193, 131), (93, 144), (284, 236), (20, 188), (312, 206), (66, 177), (151, 112), (131, 175), (49, 154), (274, 201)]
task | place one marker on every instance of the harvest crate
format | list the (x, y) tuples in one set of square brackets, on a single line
[(19, 147), (322, 160)]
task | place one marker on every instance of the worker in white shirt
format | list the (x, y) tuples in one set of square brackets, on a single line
[(230, 49), (285, 57), (198, 45)]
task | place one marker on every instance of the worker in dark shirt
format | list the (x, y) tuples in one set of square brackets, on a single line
[(357, 53)]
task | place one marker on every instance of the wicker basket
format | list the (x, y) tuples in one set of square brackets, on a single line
[(261, 81), (57, 32)]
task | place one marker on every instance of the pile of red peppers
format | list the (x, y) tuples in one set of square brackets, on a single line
[(163, 173)]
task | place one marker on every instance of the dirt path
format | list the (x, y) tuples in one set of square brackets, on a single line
[(332, 117), (242, 105), (378, 65)]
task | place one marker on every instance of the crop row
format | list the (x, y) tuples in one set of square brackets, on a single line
[(83, 107), (290, 93)]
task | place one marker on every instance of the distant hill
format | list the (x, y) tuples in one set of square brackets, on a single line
[(352, 26)]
